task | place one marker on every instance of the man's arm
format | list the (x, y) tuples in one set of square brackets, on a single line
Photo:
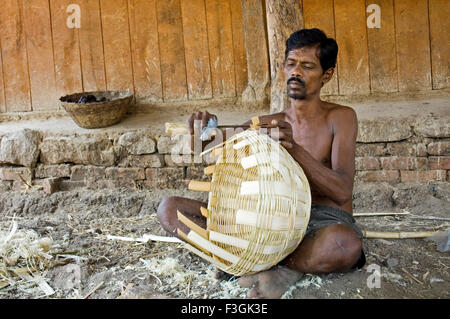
[(335, 183)]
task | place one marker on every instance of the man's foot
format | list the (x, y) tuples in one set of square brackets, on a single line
[(221, 275), (270, 284)]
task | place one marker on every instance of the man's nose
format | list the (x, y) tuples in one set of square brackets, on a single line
[(296, 72)]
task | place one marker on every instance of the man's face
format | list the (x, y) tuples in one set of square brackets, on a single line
[(303, 72)]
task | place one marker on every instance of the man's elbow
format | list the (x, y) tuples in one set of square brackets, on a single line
[(343, 197)]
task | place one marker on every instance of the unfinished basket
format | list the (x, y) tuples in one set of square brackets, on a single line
[(97, 114), (259, 206)]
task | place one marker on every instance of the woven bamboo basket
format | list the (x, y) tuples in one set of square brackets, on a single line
[(258, 209), (97, 114)]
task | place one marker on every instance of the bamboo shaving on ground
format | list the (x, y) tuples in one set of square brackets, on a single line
[(175, 280), (306, 281), (24, 256)]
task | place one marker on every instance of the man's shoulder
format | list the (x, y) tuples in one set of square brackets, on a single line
[(337, 112), (275, 116)]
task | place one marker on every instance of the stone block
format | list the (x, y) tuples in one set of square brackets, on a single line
[(78, 150), (384, 130), (20, 148), (137, 143), (44, 171)]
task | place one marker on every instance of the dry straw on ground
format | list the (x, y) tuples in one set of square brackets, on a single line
[(24, 258)]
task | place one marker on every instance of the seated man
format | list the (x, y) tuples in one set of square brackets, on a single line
[(321, 137)]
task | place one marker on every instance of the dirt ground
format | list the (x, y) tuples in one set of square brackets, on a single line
[(89, 265)]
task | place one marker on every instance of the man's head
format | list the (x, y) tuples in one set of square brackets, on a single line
[(310, 59)]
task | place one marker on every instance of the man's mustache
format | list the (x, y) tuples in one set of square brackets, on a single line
[(298, 80)]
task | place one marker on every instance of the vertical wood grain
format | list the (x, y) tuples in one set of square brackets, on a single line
[(413, 46), (2, 83), (91, 47), (145, 50), (321, 15), (66, 50), (173, 68), (440, 42), (40, 55), (382, 57), (351, 36), (240, 57), (196, 49), (117, 47), (221, 47), (14, 55)]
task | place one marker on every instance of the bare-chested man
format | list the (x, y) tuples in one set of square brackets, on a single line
[(321, 137)]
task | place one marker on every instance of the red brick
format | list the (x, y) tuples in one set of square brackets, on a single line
[(439, 162), (5, 185), (373, 149), (124, 173), (406, 149), (404, 163), (182, 160), (44, 171), (367, 163), (378, 176), (145, 161), (439, 148), (422, 176), (67, 185), (166, 177), (12, 174), (197, 173), (51, 185), (83, 173), (113, 183)]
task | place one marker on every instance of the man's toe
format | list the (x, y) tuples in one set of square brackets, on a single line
[(254, 293), (248, 281)]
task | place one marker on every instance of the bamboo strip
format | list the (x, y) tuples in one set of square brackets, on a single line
[(213, 249), (204, 211), (199, 186), (193, 226), (209, 170), (274, 222), (185, 237), (397, 235)]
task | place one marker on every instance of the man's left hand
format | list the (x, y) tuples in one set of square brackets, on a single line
[(283, 134)]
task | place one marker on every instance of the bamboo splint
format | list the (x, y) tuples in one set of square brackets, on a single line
[(258, 208)]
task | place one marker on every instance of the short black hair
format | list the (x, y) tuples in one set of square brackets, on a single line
[(328, 47)]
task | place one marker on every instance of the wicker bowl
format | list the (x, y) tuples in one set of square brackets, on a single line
[(97, 114), (258, 209)]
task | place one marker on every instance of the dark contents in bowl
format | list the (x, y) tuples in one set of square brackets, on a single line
[(89, 99)]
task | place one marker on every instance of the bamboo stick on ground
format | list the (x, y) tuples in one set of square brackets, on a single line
[(379, 214), (397, 235)]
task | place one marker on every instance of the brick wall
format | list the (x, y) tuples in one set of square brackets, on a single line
[(144, 160)]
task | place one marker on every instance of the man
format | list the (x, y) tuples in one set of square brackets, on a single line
[(321, 137)]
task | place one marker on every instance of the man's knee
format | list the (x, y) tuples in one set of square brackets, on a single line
[(341, 249), (350, 247), (166, 212)]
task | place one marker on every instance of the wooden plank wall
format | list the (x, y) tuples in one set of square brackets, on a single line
[(190, 50), (163, 51), (410, 52)]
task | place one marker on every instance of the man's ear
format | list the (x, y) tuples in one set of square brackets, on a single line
[(327, 76)]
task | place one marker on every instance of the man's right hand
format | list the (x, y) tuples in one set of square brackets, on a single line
[(204, 117)]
